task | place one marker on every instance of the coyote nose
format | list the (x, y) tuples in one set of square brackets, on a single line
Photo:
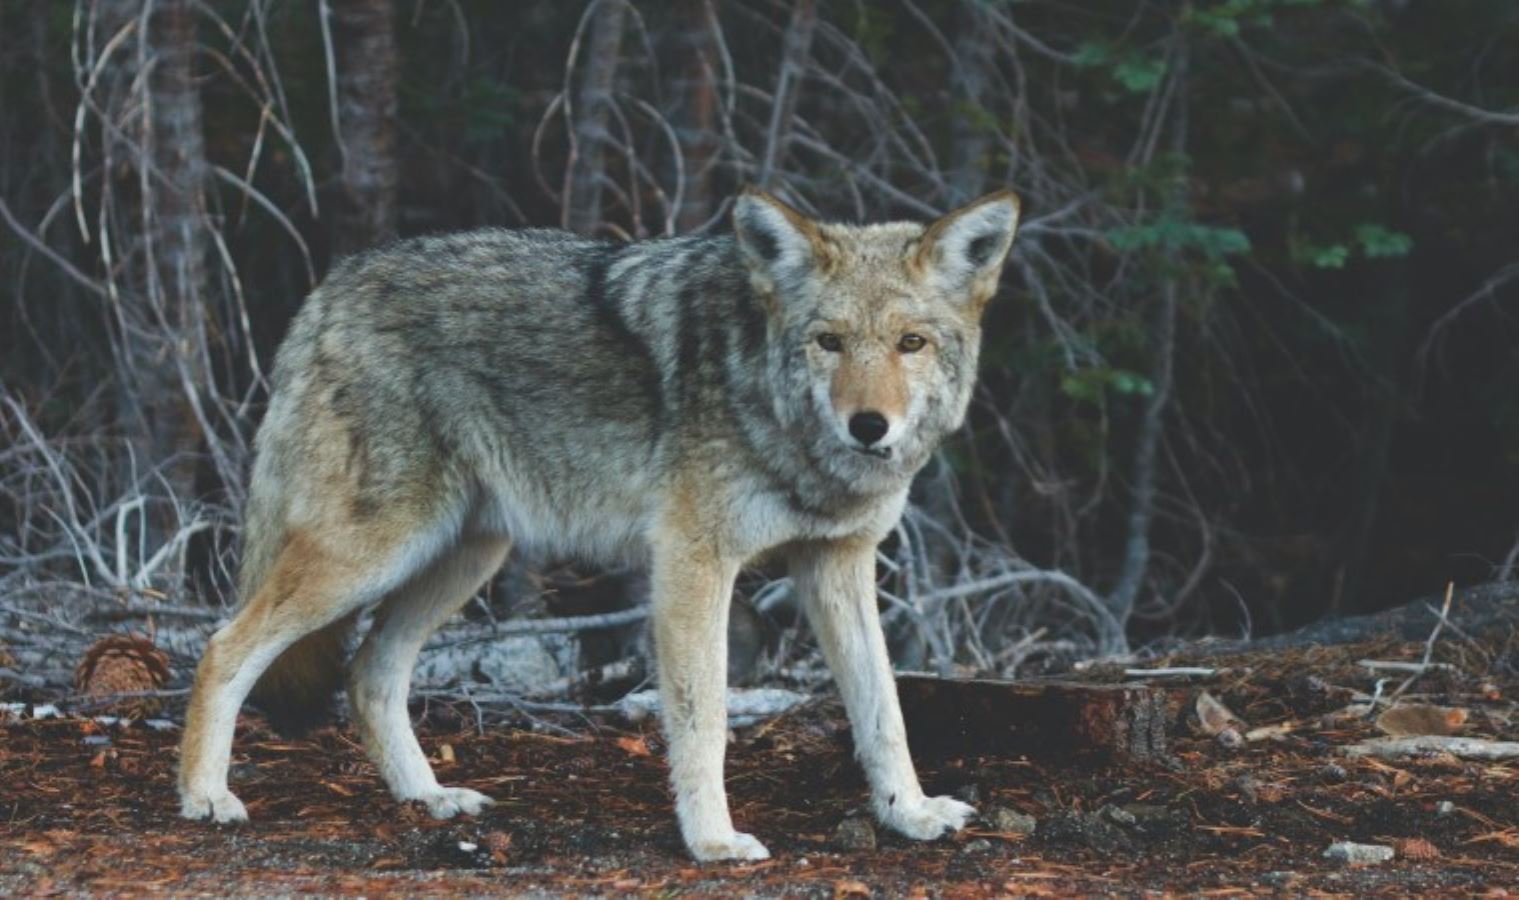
[(868, 427)]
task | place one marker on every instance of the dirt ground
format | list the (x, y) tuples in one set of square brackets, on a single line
[(86, 806)]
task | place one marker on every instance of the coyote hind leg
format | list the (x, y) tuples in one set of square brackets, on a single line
[(380, 676), (310, 585)]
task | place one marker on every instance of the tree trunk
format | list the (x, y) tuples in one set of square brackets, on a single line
[(693, 110), (970, 143), (172, 177), (364, 50), (590, 112), (794, 53)]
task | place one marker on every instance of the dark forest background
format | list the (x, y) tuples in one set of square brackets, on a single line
[(1255, 360)]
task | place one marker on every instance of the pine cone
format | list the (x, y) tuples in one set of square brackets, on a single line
[(123, 663)]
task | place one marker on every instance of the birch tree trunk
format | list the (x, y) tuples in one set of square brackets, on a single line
[(364, 50), (589, 114)]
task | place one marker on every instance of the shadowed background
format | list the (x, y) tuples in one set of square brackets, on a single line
[(1254, 361)]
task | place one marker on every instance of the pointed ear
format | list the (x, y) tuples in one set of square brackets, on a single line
[(778, 242), (964, 251)]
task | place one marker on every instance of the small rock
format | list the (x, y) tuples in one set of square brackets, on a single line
[(969, 793), (1358, 854), (1333, 773), (856, 834), (1153, 818), (1010, 821), (1444, 808), (979, 845), (1118, 816), (468, 846), (1248, 786)]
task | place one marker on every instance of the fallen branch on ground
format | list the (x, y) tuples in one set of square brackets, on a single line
[(1428, 744)]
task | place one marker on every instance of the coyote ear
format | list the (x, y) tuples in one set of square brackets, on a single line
[(964, 251), (777, 240)]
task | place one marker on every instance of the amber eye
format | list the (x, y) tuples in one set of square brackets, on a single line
[(830, 342), (911, 343)]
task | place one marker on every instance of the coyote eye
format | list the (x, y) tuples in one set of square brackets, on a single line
[(911, 343), (830, 342)]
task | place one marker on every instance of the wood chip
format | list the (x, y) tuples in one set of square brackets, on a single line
[(1214, 717), (1411, 719)]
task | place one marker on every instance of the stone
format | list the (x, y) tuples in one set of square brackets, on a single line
[(1355, 854), (1010, 821), (855, 834)]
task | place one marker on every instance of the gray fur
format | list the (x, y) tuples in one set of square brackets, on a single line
[(468, 361)]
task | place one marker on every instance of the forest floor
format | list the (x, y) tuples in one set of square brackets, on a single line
[(90, 807)]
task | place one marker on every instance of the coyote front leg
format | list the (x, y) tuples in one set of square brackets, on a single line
[(837, 585), (692, 586)]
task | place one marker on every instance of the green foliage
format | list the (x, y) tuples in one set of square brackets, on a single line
[(1227, 19), (1379, 242), (1094, 384), (1373, 240), (1171, 233), (1135, 72), (1139, 74), (1329, 256)]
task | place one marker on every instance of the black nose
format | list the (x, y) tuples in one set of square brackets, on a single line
[(868, 427)]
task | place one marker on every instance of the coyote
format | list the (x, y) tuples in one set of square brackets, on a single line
[(688, 404)]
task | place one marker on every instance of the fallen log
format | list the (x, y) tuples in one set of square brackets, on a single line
[(1113, 723)]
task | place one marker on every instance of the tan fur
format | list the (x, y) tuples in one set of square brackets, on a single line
[(875, 381)]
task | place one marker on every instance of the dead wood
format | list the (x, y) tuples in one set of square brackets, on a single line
[(1052, 720), (1431, 744)]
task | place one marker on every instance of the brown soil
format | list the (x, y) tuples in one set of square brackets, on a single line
[(87, 807)]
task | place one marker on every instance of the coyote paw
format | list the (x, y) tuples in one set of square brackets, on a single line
[(220, 807), (927, 817), (734, 845), (447, 802)]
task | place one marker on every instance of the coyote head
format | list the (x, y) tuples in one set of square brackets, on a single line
[(873, 330)]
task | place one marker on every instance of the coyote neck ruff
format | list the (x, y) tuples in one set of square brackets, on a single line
[(687, 404)]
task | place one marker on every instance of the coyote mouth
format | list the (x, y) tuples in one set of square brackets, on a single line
[(877, 452)]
